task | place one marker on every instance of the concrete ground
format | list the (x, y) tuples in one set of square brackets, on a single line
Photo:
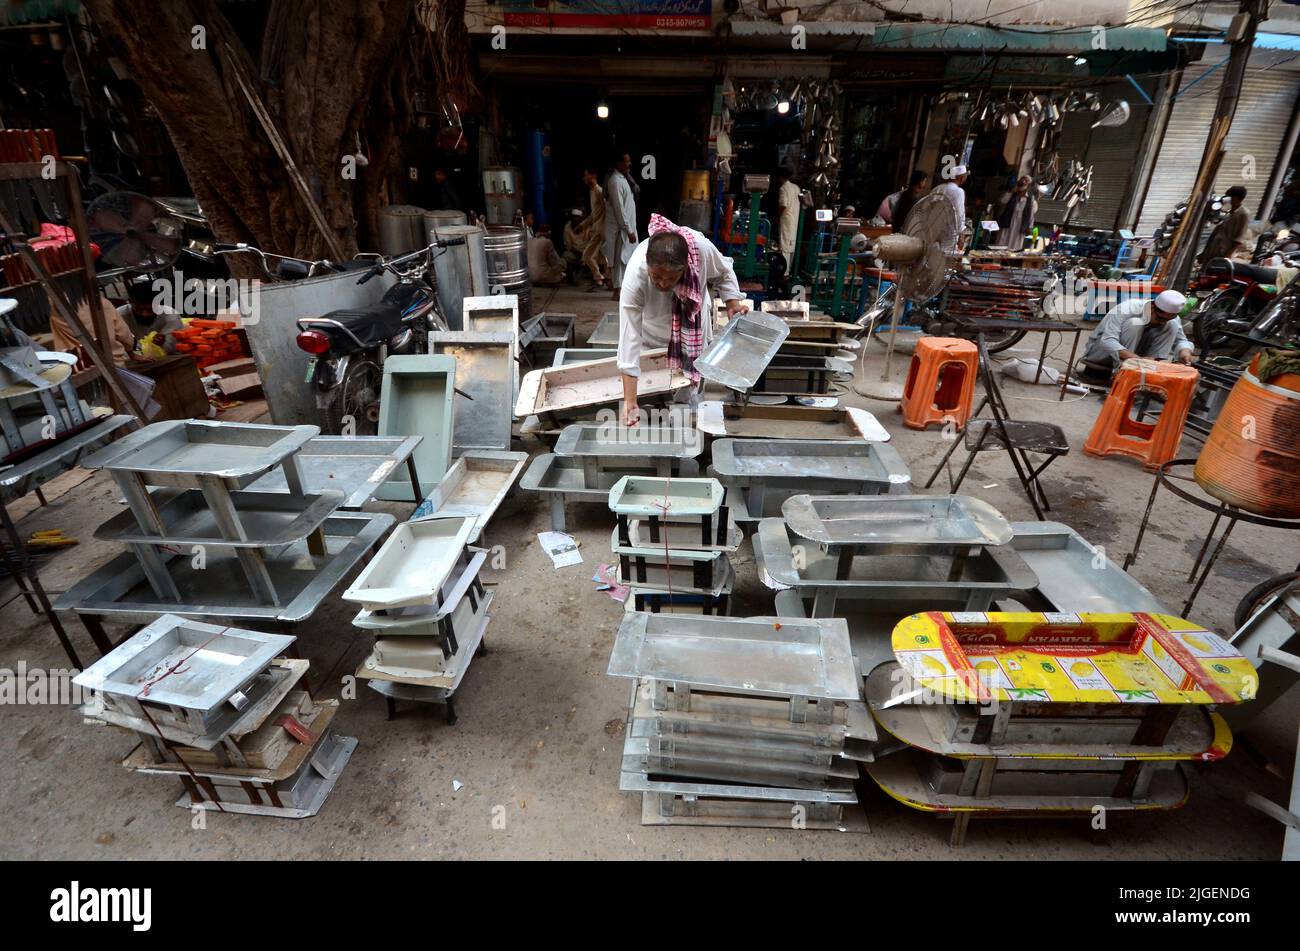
[(538, 744)]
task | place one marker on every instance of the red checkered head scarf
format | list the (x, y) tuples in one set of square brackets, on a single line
[(686, 340)]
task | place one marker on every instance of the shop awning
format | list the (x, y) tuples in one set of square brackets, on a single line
[(1018, 39)]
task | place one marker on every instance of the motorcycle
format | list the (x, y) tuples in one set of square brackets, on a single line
[(347, 347), (1239, 294)]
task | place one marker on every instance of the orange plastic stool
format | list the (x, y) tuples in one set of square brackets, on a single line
[(1116, 432), (940, 382)]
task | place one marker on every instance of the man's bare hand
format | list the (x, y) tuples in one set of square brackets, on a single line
[(735, 307), (631, 414), (1184, 357)]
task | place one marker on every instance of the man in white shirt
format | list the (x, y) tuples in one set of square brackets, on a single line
[(956, 195), (657, 266), (787, 200), (620, 219), (1139, 328)]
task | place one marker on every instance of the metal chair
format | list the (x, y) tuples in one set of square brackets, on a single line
[(1018, 438)]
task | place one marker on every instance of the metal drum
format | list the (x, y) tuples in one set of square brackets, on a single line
[(695, 185), (401, 229), (503, 191), (506, 250), (460, 271), (695, 214), (436, 221)]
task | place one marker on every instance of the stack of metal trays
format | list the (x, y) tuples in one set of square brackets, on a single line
[(186, 483), (741, 721), (760, 474), (590, 457), (674, 536), (38, 402), (545, 335), (218, 709), (1052, 714), (422, 598)]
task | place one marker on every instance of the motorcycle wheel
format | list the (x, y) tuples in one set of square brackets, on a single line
[(1218, 311), (1256, 596), (358, 398), (997, 341)]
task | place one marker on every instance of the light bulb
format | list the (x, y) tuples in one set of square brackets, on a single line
[(602, 111)]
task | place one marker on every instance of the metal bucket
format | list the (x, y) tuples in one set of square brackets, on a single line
[(436, 221), (460, 271), (695, 184), (401, 229), (503, 193), (506, 251)]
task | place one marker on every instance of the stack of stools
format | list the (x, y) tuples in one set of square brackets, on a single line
[(1116, 432), (219, 709), (1028, 714), (673, 542), (741, 721), (422, 598), (940, 382)]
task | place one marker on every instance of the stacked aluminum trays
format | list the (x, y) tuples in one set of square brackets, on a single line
[(216, 709), (38, 403), (674, 537), (422, 598), (187, 484), (590, 457), (741, 721)]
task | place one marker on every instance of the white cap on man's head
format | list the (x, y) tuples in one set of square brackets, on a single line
[(958, 170), (1171, 302)]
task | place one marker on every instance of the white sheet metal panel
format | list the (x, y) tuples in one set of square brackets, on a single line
[(1263, 115)]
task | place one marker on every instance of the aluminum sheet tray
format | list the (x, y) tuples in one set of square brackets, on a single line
[(840, 461), (268, 519), (473, 487), (1075, 575), (665, 498), (788, 422), (17, 480), (417, 399), (606, 332), (119, 590), (486, 377), (639, 442), (779, 657), (579, 385), (182, 663), (353, 465), (567, 356), (741, 352), (944, 521), (412, 565), (180, 452)]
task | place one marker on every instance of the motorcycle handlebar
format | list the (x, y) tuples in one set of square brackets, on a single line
[(372, 273)]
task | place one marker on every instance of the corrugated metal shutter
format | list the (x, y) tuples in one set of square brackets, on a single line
[(1112, 153), (1258, 129)]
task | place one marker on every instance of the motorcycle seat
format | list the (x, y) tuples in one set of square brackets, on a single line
[(1253, 272), (371, 325)]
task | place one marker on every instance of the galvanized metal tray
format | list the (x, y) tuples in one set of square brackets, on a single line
[(642, 538), (412, 565), (606, 332), (218, 589), (566, 356), (579, 385), (840, 793), (180, 452), (474, 487), (763, 656), (738, 356), (423, 619), (680, 575), (486, 378), (417, 398), (353, 465), (19, 479), (267, 519), (447, 679), (638, 442), (787, 422), (944, 521), (666, 499), (1074, 575), (644, 755), (182, 663)]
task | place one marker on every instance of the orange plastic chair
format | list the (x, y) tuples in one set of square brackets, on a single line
[(1116, 432), (940, 382)]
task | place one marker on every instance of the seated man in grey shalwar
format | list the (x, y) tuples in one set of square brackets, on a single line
[(1137, 328)]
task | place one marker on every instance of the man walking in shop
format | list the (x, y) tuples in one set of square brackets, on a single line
[(1231, 237), (956, 195), (1137, 328), (667, 301), (1016, 219), (620, 220), (787, 202), (592, 231), (908, 197)]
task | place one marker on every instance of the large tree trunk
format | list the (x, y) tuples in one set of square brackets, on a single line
[(328, 71)]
